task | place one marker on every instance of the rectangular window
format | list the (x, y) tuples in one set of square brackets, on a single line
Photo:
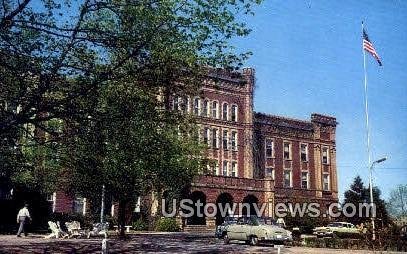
[(234, 113), (287, 178), (325, 182), (206, 136), (304, 152), (215, 138), (225, 168), (225, 139), (216, 170), (225, 113), (215, 109), (175, 103), (185, 104), (304, 180), (287, 151), (79, 205), (269, 148), (269, 172), (205, 108), (234, 141), (325, 155), (234, 169)]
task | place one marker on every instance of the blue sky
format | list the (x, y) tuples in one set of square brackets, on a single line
[(308, 58)]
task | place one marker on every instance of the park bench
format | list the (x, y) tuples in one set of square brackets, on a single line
[(99, 229)]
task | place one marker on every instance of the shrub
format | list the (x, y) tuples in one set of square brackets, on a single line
[(167, 225), (140, 225)]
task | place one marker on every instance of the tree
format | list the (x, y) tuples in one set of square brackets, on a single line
[(56, 58), (398, 201), (359, 194)]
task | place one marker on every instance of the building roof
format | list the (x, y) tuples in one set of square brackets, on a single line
[(281, 121)]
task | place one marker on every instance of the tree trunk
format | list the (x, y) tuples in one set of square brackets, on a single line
[(122, 217)]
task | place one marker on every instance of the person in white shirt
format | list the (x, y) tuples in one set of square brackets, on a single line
[(22, 217)]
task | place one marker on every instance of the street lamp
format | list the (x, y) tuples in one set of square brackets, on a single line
[(371, 192)]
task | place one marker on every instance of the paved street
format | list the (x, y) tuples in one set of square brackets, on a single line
[(144, 243)]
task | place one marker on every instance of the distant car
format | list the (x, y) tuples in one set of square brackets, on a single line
[(336, 229), (253, 230), (221, 229)]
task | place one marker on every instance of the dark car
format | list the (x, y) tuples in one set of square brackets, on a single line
[(221, 229)]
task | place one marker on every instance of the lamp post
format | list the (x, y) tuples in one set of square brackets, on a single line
[(371, 192)]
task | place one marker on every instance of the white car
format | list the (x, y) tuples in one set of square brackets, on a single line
[(254, 230)]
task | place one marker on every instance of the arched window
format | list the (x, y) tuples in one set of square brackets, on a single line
[(215, 109), (234, 113), (225, 111), (197, 106)]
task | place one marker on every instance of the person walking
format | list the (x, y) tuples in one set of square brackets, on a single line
[(23, 217)]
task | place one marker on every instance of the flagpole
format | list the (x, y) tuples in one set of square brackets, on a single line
[(368, 140)]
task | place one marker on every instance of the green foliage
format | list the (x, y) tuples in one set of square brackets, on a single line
[(166, 224), (359, 194), (306, 224), (140, 225)]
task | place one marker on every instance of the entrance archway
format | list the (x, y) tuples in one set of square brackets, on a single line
[(195, 219), (251, 200), (223, 201)]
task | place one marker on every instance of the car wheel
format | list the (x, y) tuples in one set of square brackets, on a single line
[(226, 239), (254, 240)]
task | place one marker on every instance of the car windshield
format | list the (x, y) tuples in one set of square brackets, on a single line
[(336, 225), (262, 221)]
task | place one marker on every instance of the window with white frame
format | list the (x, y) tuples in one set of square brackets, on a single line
[(206, 135), (287, 151), (225, 111), (197, 106), (233, 171), (325, 182), (225, 140), (287, 178), (215, 142), (225, 168), (304, 152), (205, 108), (325, 155), (269, 143), (185, 104), (234, 113), (269, 172), (216, 170), (79, 205), (233, 141), (176, 102), (304, 180), (215, 109)]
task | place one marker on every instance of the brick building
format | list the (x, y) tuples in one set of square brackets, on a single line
[(256, 158)]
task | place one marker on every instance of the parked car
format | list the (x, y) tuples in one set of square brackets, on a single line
[(221, 229), (253, 230), (336, 229)]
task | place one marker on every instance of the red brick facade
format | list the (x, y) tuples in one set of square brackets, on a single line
[(264, 158)]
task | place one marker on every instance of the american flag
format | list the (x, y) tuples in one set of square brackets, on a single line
[(368, 46)]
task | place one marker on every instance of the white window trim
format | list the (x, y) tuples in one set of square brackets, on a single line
[(227, 140), (227, 111), (216, 109), (236, 168), (291, 177), (305, 171), (272, 148), (306, 152), (217, 170), (199, 106), (208, 111), (236, 112), (323, 182), (327, 155), (272, 172), (227, 168), (231, 138), (217, 138), (290, 153)]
